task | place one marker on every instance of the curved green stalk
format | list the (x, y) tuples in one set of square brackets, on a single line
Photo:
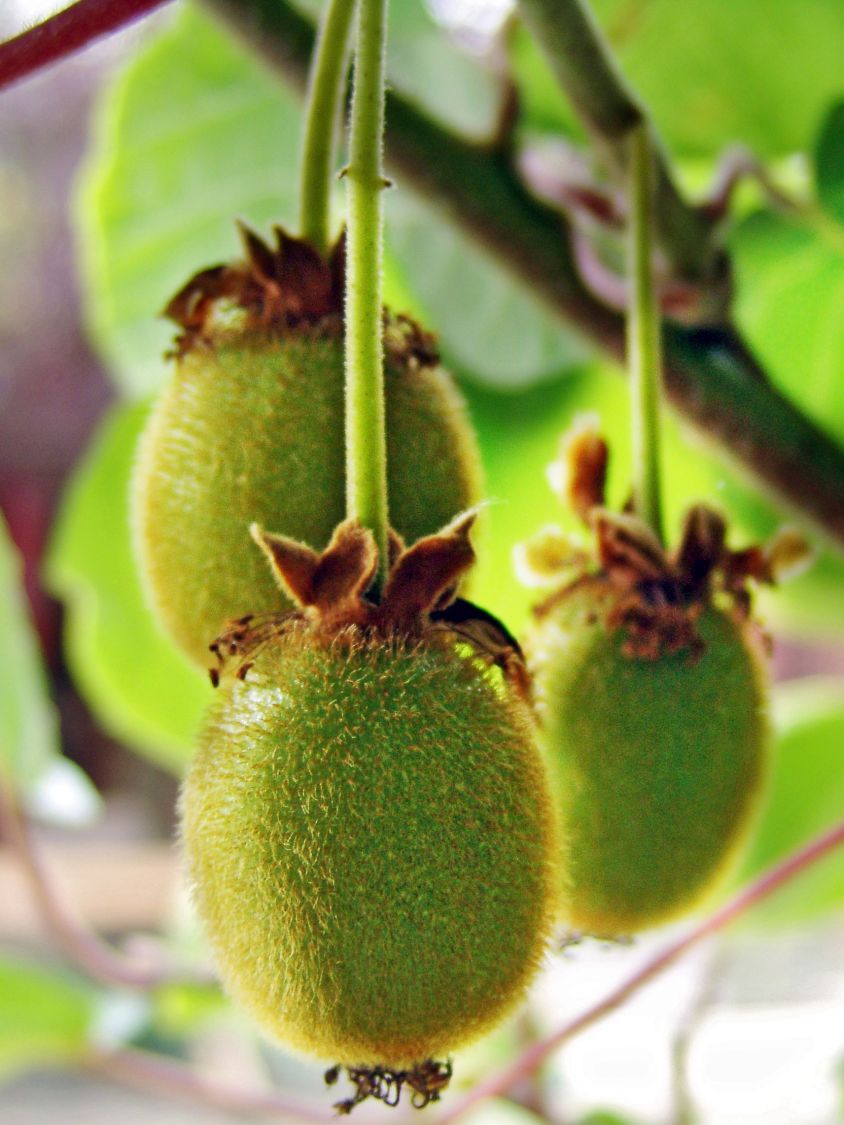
[(643, 336), (366, 446), (316, 168)]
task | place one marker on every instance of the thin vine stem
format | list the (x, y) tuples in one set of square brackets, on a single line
[(155, 1073), (761, 888), (84, 949), (366, 445), (322, 105), (65, 33), (643, 336)]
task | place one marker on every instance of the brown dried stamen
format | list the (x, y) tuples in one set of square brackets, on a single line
[(427, 1080)]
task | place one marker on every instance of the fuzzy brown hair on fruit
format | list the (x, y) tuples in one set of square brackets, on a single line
[(250, 428), (367, 823), (652, 689)]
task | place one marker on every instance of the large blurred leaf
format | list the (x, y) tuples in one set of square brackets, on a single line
[(141, 688), (715, 72), (805, 796), (192, 134), (28, 728), (829, 163), (425, 63), (45, 1017), (427, 66), (490, 326), (791, 289)]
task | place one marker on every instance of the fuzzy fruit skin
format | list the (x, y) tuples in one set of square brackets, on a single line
[(369, 834), (656, 765), (250, 428)]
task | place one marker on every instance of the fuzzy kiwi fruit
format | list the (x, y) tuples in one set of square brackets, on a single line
[(250, 428), (656, 763), (652, 692), (367, 821)]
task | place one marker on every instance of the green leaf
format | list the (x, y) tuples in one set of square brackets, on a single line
[(45, 1017), (490, 327), (191, 134), (29, 745), (805, 796), (790, 293), (714, 72), (426, 65), (829, 163), (141, 688), (181, 1009)]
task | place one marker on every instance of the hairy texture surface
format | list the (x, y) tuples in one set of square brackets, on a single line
[(656, 764), (252, 430), (369, 835)]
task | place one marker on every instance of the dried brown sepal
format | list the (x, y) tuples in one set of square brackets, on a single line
[(584, 455), (330, 584), (489, 638), (658, 596), (331, 588), (408, 343), (283, 286), (426, 576), (627, 549), (426, 1080)]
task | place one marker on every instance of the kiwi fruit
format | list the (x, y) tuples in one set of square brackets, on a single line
[(251, 428), (367, 822), (656, 763), (651, 685)]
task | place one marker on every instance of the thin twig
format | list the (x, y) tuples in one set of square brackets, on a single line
[(85, 950), (644, 341), (760, 889), (684, 1108), (157, 1074), (67, 32)]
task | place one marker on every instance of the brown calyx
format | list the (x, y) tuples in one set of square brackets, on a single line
[(333, 589), (658, 595), (287, 286)]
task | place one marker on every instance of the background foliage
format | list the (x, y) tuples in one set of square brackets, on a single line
[(193, 131)]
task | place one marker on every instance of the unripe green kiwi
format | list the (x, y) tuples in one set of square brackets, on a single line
[(250, 428), (656, 763), (368, 832)]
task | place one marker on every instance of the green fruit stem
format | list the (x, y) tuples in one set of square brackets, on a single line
[(316, 169), (643, 336), (366, 447)]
